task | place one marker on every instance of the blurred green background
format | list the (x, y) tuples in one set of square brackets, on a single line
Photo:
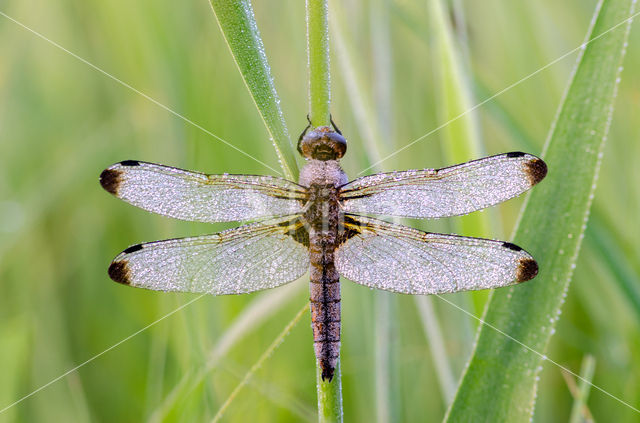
[(62, 122)]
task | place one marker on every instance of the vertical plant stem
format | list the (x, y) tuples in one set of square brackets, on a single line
[(330, 396), (318, 50), (329, 393)]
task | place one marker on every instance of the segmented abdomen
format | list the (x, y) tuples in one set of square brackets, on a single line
[(325, 301)]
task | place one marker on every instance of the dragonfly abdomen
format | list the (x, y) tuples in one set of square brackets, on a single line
[(325, 303)]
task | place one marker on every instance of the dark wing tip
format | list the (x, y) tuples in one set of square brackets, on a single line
[(110, 180), (119, 272), (536, 170), (527, 270), (130, 163)]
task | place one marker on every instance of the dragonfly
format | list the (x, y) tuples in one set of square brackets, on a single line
[(322, 225)]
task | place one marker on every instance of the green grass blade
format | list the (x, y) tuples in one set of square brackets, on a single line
[(600, 236), (240, 30), (461, 137), (501, 379)]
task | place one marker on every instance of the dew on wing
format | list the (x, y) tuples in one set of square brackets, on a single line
[(451, 191)]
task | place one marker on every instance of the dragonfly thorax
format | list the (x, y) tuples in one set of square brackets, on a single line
[(323, 173)]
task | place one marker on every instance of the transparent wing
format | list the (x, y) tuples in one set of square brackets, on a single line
[(401, 259), (451, 191), (199, 197), (240, 260)]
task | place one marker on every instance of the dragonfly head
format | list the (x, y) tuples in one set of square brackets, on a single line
[(322, 143)]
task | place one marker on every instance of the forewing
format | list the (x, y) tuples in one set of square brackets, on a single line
[(451, 191), (401, 259), (199, 197), (240, 260)]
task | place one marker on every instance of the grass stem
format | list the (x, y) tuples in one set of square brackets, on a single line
[(329, 393)]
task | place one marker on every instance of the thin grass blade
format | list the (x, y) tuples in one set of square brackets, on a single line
[(267, 353), (580, 411), (252, 316)]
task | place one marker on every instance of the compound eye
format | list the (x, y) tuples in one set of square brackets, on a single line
[(338, 144)]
